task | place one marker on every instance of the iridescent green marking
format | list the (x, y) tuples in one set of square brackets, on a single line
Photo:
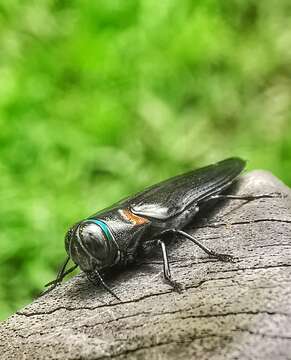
[(104, 228)]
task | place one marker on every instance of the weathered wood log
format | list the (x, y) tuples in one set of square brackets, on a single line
[(238, 310)]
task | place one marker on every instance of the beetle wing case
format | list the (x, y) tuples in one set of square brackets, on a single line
[(171, 197)]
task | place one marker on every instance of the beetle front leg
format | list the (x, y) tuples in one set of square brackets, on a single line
[(219, 256), (166, 268), (96, 279)]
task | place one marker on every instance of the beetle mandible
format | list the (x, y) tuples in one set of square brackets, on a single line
[(114, 236)]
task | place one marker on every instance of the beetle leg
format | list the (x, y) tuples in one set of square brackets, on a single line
[(166, 268), (92, 279), (240, 197), (222, 257)]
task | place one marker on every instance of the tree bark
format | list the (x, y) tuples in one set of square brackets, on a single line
[(239, 310)]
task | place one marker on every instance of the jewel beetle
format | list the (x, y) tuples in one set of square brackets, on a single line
[(115, 236)]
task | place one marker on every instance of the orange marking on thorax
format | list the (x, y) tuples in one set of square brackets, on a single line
[(135, 219)]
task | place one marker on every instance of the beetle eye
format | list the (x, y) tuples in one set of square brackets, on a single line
[(93, 239)]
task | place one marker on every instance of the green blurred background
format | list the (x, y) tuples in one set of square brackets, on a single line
[(101, 98)]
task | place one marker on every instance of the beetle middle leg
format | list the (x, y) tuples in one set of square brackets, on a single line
[(219, 256), (166, 268)]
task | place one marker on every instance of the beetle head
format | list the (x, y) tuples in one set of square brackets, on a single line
[(91, 245)]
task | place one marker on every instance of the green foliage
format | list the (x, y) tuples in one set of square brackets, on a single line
[(100, 98)]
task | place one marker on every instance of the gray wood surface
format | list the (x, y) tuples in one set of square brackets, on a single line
[(238, 310)]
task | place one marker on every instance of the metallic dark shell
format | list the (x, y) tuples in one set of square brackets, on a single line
[(171, 197)]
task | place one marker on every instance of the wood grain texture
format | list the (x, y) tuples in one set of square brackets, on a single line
[(238, 310)]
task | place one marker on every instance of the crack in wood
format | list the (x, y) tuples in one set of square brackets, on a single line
[(187, 287)]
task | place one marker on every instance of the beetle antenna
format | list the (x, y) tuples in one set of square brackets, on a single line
[(61, 277), (62, 270), (61, 274)]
